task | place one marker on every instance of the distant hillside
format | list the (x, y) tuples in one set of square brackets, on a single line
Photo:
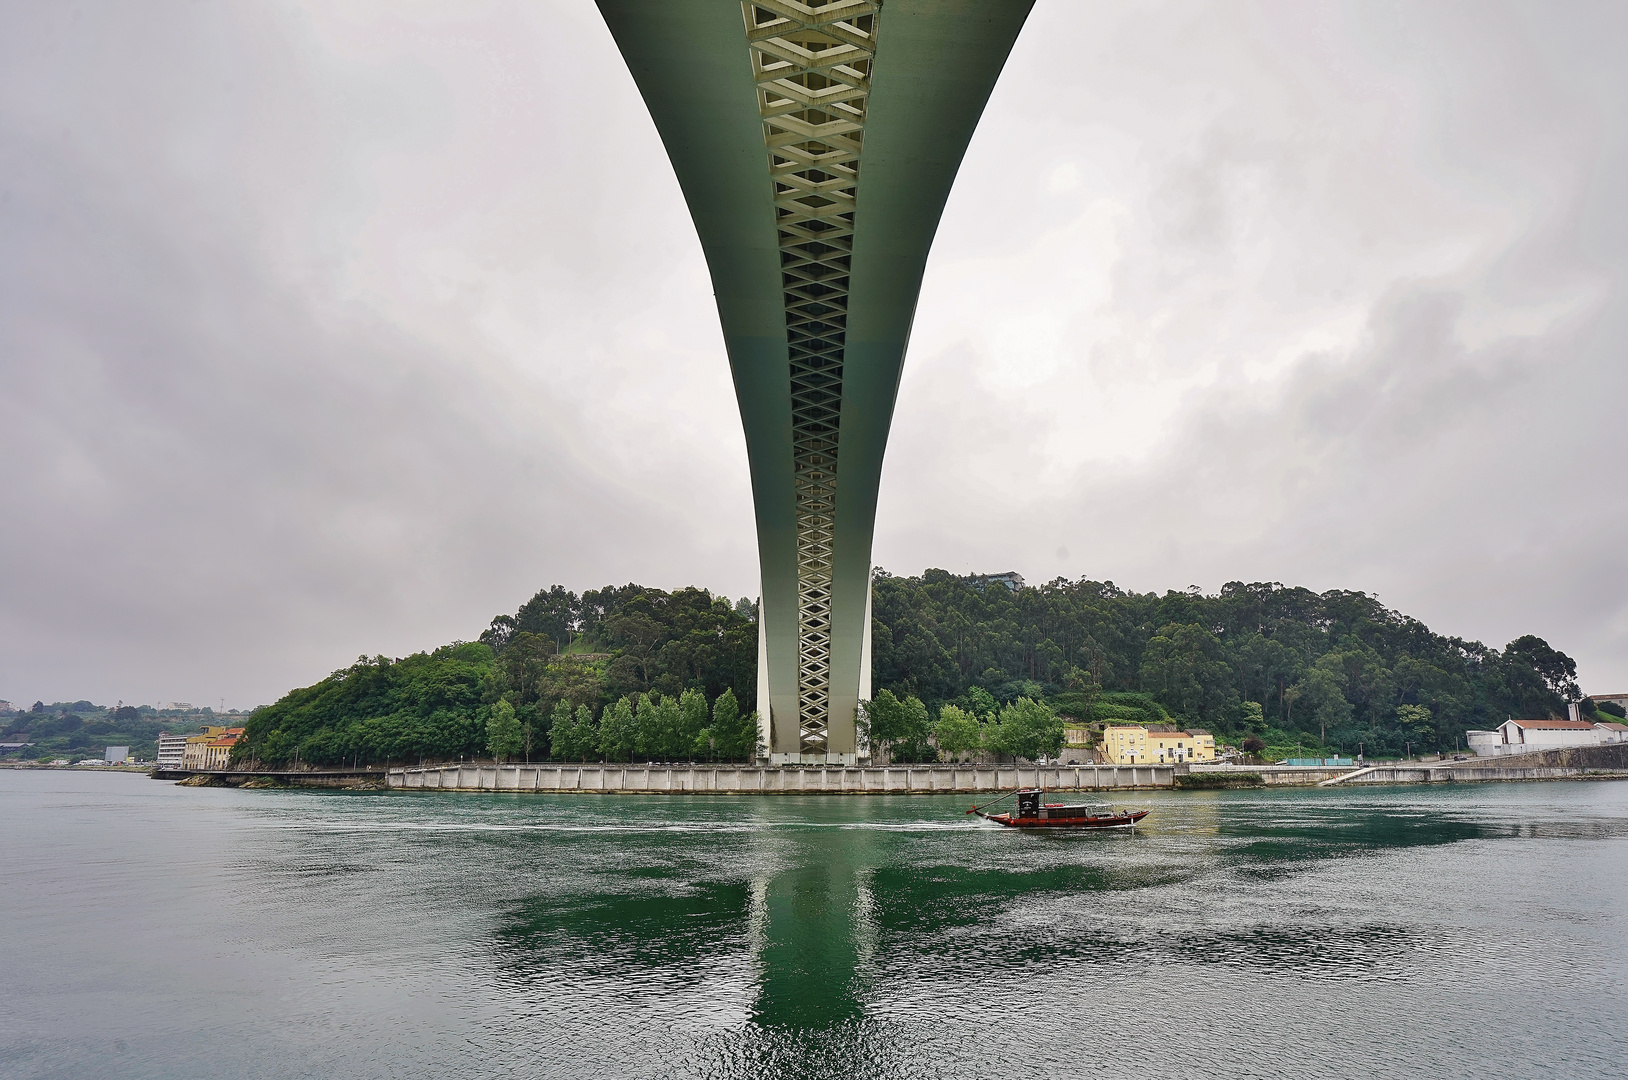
[(1284, 664), (80, 729), (1338, 661)]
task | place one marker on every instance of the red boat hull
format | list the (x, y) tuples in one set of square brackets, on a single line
[(1105, 821)]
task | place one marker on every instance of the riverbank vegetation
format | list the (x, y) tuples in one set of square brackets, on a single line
[(962, 666), (80, 729)]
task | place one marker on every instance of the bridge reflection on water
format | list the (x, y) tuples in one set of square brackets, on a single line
[(1297, 932)]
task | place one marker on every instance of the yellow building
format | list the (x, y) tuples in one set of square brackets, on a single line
[(1139, 746), (211, 749)]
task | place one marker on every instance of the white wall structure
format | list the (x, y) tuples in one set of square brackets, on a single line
[(1546, 734)]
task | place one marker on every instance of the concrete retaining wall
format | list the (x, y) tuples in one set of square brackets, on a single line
[(747, 780), (1469, 773), (1279, 775)]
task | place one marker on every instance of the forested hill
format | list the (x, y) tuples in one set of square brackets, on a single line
[(1338, 661), (1282, 663)]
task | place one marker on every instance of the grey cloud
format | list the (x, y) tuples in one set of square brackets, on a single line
[(230, 465), (329, 330), (1419, 190)]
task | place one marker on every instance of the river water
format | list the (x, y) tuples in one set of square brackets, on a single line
[(1455, 931)]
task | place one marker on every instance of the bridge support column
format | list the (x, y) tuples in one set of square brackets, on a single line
[(815, 142)]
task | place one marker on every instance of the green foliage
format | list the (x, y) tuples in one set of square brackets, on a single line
[(646, 641), (899, 728), (558, 721), (982, 701), (957, 732), (577, 739), (731, 734), (1338, 659), (1128, 708), (1184, 666), (1416, 720), (618, 731), (692, 721), (1026, 729), (80, 729), (660, 728), (1558, 671), (1321, 695), (1208, 781), (429, 705), (1247, 659), (504, 739)]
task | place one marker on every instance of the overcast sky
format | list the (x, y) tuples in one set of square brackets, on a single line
[(338, 328)]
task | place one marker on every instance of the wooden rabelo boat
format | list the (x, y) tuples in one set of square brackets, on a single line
[(1031, 813)]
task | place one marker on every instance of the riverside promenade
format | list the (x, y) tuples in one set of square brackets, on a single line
[(803, 780)]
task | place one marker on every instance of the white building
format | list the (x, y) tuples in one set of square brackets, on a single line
[(1531, 736), (171, 748)]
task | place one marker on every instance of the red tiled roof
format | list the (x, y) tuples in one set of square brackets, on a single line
[(1613, 726), (1562, 725)]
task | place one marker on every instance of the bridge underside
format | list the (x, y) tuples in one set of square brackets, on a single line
[(816, 142)]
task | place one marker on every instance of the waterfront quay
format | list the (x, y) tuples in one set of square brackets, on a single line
[(1596, 763), (771, 780)]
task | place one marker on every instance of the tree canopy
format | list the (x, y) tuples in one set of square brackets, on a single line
[(628, 672), (1249, 656)]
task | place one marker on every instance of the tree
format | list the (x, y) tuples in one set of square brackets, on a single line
[(734, 734), (1558, 670), (561, 721), (957, 732), (1416, 723), (552, 613), (523, 664), (618, 731), (571, 680), (692, 721), (723, 733), (659, 730), (577, 739), (1185, 667), (983, 702), (503, 735), (1323, 691), (899, 727), (1026, 729), (498, 634)]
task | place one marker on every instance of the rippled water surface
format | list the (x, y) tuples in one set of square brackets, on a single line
[(154, 931)]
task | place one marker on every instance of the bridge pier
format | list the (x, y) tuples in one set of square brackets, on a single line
[(815, 142)]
